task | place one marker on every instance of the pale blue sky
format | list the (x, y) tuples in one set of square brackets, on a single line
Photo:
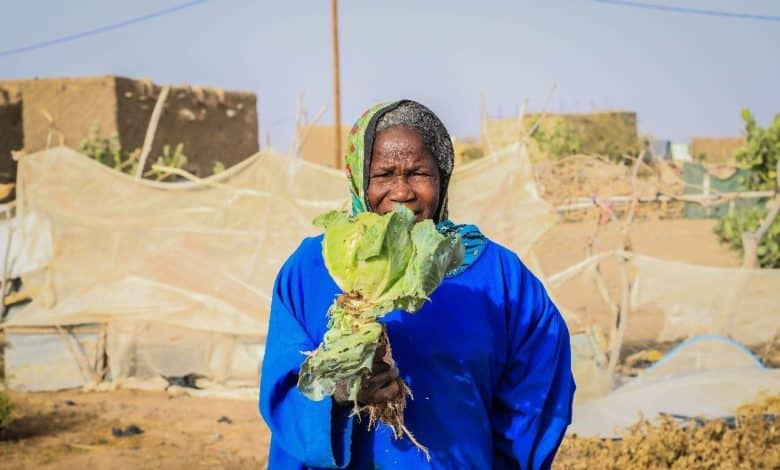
[(684, 74)]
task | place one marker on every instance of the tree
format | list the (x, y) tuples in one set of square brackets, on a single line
[(761, 154), (756, 232)]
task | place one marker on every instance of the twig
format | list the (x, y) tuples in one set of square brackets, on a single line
[(483, 123), (521, 118), (622, 311), (634, 203), (299, 124), (616, 334), (622, 317), (544, 110), (599, 279), (639, 160), (594, 238), (701, 199), (770, 217), (151, 130), (78, 353), (750, 241), (774, 210), (301, 137)]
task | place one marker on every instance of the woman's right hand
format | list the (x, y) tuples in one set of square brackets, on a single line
[(381, 386)]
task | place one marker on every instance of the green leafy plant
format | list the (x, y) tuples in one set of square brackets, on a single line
[(472, 153), (560, 140), (169, 159), (106, 150), (761, 153), (218, 168), (609, 134), (760, 156), (730, 229), (381, 263), (109, 152)]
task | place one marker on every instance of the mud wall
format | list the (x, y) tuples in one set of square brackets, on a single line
[(61, 110), (212, 124), (603, 133), (11, 135)]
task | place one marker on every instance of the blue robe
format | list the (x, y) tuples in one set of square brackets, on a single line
[(487, 359)]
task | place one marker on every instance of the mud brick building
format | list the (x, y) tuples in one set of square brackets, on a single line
[(213, 124)]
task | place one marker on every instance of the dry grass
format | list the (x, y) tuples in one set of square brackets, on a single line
[(750, 440)]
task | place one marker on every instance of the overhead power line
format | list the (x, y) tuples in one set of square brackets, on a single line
[(100, 30), (691, 11)]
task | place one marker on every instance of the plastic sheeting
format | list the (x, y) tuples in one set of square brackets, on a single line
[(51, 360), (24, 255), (707, 375), (589, 366), (498, 193), (743, 304), (691, 300), (701, 354), (685, 382)]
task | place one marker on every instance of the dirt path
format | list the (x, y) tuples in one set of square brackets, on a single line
[(70, 430)]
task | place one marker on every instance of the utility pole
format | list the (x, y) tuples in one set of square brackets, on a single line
[(334, 13)]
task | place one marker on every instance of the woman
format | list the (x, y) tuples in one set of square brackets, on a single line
[(487, 359)]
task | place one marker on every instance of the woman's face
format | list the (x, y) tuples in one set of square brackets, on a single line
[(403, 172)]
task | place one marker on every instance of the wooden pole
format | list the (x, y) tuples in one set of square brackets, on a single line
[(334, 12), (151, 129)]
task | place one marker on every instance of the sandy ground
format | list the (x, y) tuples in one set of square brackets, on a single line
[(67, 430), (689, 241)]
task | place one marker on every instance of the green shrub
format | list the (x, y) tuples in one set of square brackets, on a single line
[(731, 228), (106, 150), (760, 156), (6, 407), (560, 139), (171, 159), (761, 153)]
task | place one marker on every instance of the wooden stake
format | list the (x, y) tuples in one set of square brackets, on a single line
[(150, 131), (751, 240), (334, 12)]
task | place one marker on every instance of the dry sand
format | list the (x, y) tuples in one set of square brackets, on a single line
[(68, 430)]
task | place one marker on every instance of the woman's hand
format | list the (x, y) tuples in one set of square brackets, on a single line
[(381, 386)]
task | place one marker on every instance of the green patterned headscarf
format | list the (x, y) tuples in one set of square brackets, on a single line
[(415, 116), (405, 113)]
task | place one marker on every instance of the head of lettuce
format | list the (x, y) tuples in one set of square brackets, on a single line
[(486, 352)]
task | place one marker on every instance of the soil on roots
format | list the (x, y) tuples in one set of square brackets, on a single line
[(391, 412)]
